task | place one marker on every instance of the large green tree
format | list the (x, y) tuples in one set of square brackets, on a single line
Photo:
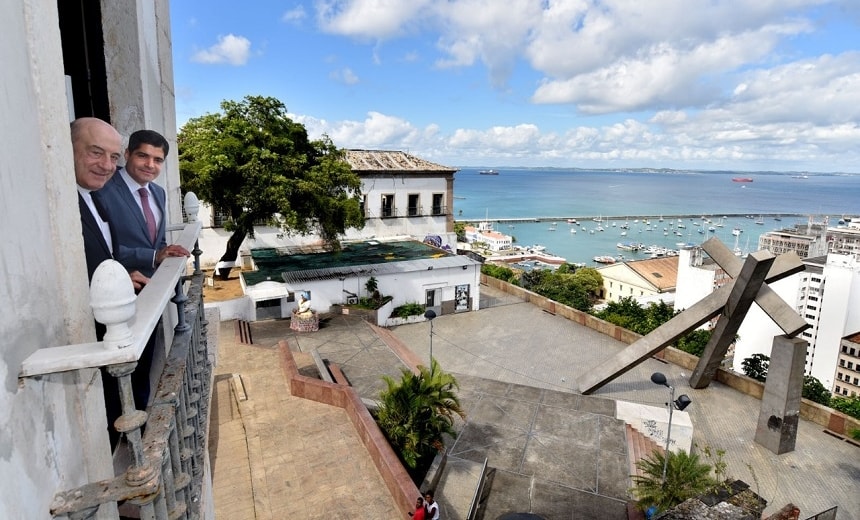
[(255, 163)]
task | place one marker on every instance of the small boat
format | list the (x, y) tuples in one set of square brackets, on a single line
[(737, 231), (573, 230), (571, 221), (604, 259), (760, 220), (742, 179), (488, 172)]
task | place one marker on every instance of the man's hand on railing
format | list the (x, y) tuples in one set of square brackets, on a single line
[(171, 250), (138, 280)]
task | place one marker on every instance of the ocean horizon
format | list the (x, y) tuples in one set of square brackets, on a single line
[(770, 201)]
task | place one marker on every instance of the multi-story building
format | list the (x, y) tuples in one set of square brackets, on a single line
[(644, 280), (848, 369), (807, 241), (401, 196), (64, 60), (486, 235), (814, 238)]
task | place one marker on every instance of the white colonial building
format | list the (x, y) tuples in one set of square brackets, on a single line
[(402, 196), (485, 234)]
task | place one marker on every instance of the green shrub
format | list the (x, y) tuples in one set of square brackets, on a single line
[(407, 309)]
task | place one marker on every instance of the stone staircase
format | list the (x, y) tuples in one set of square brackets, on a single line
[(639, 446)]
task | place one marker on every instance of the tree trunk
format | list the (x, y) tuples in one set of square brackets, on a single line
[(228, 259)]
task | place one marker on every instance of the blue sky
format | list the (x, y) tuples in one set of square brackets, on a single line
[(698, 84)]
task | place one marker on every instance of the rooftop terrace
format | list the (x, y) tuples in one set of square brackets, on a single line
[(355, 258)]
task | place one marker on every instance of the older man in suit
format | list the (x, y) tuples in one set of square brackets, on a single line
[(97, 147), (137, 206)]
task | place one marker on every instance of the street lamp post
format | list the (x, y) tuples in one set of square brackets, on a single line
[(682, 402), (429, 314)]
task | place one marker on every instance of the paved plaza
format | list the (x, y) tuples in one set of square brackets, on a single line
[(556, 452)]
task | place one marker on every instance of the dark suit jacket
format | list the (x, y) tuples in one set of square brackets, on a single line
[(132, 247), (95, 247)]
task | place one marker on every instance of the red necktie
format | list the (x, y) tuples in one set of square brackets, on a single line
[(147, 213)]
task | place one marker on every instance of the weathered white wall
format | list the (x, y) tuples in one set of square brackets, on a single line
[(48, 440), (53, 435)]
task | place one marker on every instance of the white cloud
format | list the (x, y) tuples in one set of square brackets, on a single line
[(230, 49), (376, 131), (373, 19), (345, 76), (294, 15)]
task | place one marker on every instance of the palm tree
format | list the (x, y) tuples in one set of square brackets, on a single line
[(686, 477), (416, 412)]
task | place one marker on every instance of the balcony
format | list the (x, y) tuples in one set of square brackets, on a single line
[(165, 445)]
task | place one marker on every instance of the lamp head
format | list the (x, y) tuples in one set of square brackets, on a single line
[(682, 402), (429, 314), (659, 379)]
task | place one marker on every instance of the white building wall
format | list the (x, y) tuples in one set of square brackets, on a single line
[(46, 441), (840, 314), (693, 282), (755, 335), (54, 433)]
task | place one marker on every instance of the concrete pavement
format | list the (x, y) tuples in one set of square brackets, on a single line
[(518, 368)]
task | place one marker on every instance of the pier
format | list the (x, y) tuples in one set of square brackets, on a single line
[(616, 218)]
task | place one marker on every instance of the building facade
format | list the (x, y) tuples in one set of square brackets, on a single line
[(848, 369), (402, 196), (643, 280)]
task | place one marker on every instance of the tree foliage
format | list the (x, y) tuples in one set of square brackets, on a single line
[(255, 163), (415, 413), (756, 366), (686, 477), (847, 405), (496, 271), (815, 391)]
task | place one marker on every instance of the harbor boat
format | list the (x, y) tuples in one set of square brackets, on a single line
[(742, 179), (488, 172), (571, 221), (604, 259), (737, 231), (573, 230), (760, 220)]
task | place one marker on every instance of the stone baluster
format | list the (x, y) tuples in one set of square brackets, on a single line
[(113, 302), (179, 299), (192, 208)]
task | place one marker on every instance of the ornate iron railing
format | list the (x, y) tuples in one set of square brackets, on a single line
[(167, 443)]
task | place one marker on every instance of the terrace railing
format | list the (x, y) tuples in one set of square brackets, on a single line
[(167, 442)]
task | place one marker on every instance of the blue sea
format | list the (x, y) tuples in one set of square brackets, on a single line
[(772, 201)]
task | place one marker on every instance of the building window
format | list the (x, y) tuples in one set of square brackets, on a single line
[(438, 204), (850, 365), (362, 205), (842, 362), (412, 208), (852, 352), (388, 205), (838, 389)]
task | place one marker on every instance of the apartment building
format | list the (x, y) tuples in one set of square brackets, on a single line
[(848, 368)]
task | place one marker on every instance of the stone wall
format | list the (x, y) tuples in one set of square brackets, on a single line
[(824, 416)]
